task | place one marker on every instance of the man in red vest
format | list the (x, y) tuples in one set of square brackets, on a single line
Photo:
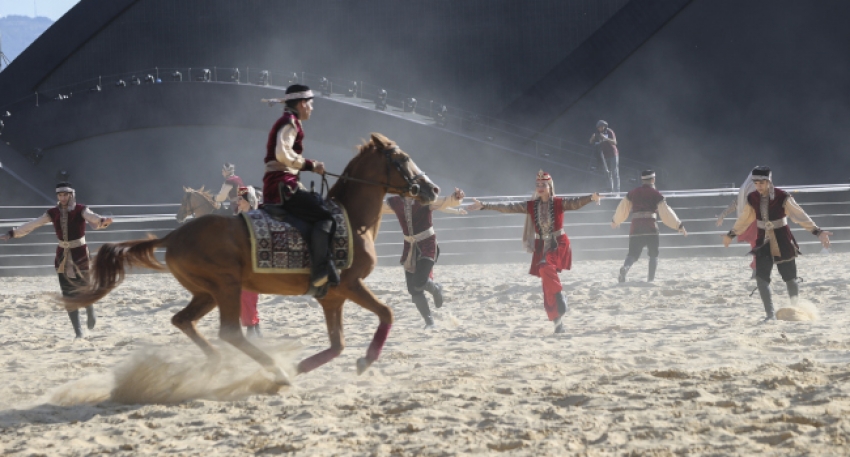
[(282, 189), (644, 203), (420, 246), (72, 255), (230, 188), (770, 209)]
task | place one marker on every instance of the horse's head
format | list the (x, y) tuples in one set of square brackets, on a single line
[(402, 175), (195, 203)]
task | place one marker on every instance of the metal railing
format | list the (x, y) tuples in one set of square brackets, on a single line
[(473, 238)]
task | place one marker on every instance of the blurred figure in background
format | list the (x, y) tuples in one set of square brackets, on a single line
[(605, 142), (246, 200), (229, 189)]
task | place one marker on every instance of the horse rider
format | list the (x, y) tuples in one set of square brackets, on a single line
[(230, 188), (72, 255), (284, 193)]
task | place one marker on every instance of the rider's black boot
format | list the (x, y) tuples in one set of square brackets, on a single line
[(322, 270)]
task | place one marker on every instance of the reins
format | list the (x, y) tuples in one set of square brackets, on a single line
[(412, 187)]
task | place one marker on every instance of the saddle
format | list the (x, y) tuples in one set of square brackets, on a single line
[(279, 244)]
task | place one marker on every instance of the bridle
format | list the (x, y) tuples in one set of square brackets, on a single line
[(412, 189)]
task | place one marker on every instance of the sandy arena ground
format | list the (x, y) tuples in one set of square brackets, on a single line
[(678, 367)]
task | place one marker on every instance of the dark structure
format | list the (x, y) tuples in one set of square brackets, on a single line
[(700, 88)]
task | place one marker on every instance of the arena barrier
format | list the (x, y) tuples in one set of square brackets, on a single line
[(478, 237)]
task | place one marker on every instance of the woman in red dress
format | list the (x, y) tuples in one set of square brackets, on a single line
[(545, 237)]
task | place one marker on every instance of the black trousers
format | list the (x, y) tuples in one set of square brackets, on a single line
[(69, 284), (307, 206), (416, 281), (638, 242), (764, 265)]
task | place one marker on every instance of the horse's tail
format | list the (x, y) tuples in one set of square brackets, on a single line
[(109, 268)]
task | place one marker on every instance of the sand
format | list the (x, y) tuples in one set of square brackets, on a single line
[(679, 366)]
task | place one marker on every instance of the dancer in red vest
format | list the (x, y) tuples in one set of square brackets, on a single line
[(283, 192), (72, 255), (420, 246), (246, 200), (545, 236), (770, 209), (751, 234), (230, 188), (644, 203)]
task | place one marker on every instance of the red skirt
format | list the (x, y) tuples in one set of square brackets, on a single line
[(561, 259)]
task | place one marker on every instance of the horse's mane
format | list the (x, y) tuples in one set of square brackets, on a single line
[(367, 146), (203, 193)]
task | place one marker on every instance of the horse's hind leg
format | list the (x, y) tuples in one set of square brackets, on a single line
[(185, 320), (364, 297), (333, 319), (229, 307)]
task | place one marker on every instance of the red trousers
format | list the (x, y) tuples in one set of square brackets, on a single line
[(551, 284), (249, 308)]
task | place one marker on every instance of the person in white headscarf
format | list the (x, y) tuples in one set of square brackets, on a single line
[(770, 209), (751, 234)]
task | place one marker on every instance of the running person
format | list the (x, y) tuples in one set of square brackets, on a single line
[(770, 208), (644, 203), (546, 238), (72, 255), (420, 246)]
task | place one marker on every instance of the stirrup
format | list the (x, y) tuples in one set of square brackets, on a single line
[(318, 292)]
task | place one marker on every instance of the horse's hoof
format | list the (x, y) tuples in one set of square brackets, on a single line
[(363, 364), (279, 377)]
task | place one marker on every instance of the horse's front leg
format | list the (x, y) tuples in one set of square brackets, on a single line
[(333, 318), (364, 297)]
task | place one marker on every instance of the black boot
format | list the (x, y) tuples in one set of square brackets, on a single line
[(75, 321), (793, 290), (766, 299), (624, 270), (322, 270), (653, 264), (436, 291), (421, 303), (91, 319)]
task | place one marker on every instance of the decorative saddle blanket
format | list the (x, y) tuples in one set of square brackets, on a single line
[(278, 247)]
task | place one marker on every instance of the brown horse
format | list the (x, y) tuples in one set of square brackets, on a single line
[(195, 203), (211, 257)]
